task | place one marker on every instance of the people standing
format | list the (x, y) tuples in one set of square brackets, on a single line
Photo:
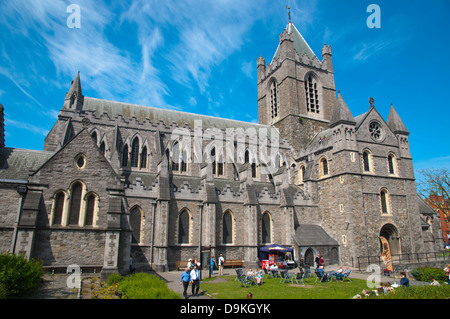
[(211, 266), (195, 281), (220, 263), (184, 280), (321, 261)]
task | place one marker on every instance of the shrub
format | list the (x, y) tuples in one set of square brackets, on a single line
[(145, 286), (114, 279), (424, 273), (18, 276)]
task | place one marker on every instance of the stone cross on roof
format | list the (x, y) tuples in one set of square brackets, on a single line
[(371, 101)]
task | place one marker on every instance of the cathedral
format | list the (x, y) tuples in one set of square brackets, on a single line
[(116, 180)]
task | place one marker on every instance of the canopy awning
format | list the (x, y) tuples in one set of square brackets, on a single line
[(273, 249)]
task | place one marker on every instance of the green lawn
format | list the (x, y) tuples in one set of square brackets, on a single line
[(225, 287)]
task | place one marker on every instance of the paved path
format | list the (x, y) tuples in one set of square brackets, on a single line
[(173, 282)]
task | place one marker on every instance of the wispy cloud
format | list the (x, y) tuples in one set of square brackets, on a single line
[(26, 126), (364, 51), (6, 73), (200, 33), (112, 73)]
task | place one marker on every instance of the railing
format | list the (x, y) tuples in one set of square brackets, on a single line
[(405, 259)]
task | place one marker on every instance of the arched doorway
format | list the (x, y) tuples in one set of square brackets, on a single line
[(309, 257), (390, 232)]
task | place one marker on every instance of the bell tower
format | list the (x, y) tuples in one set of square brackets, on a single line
[(296, 91)]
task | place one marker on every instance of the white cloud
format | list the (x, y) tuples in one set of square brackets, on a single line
[(199, 34), (112, 73), (26, 126)]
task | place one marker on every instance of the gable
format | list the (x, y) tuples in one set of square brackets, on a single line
[(63, 167), (372, 128)]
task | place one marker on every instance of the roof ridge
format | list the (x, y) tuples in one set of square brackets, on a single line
[(175, 111)]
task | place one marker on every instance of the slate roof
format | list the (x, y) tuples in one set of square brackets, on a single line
[(128, 111), (300, 45), (395, 123), (341, 113), (16, 164), (313, 235), (424, 208)]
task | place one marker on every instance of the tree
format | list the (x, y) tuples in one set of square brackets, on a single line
[(435, 187)]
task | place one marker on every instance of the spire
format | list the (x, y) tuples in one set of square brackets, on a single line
[(76, 85), (74, 98), (341, 113), (395, 123), (300, 44)]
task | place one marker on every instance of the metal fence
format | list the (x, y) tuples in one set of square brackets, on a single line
[(402, 260)]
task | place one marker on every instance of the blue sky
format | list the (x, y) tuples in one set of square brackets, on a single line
[(200, 56)]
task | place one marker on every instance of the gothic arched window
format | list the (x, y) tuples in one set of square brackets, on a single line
[(183, 227), (125, 156), (135, 152), (273, 89), (312, 95), (59, 207), (227, 228), (392, 164), (75, 203), (266, 229), (385, 201), (301, 174), (175, 157), (323, 167), (366, 161), (89, 220), (135, 223), (144, 157), (103, 148)]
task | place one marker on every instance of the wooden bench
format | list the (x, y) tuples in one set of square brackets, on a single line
[(181, 265), (233, 263)]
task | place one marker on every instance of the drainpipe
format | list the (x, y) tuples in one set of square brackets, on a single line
[(200, 204), (153, 231), (22, 190)]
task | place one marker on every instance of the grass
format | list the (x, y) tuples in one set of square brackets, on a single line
[(135, 286), (419, 292), (225, 287)]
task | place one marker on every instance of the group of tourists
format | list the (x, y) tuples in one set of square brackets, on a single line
[(191, 274)]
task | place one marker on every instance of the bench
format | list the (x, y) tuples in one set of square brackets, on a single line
[(181, 265), (62, 269), (233, 263)]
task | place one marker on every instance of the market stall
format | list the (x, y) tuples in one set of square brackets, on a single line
[(282, 256)]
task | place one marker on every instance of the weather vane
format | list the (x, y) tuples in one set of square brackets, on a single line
[(289, 13)]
